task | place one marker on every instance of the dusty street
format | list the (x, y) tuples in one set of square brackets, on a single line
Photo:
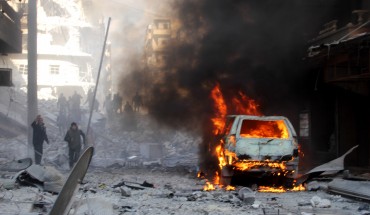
[(174, 192)]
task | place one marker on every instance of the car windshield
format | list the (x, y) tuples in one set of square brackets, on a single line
[(264, 129)]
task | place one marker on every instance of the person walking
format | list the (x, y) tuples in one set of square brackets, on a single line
[(73, 138), (38, 138)]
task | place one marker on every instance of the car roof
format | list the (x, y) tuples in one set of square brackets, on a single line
[(264, 118)]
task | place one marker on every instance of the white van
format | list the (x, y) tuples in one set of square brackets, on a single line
[(262, 145)]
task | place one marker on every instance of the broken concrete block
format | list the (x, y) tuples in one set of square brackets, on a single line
[(304, 203), (8, 184), (17, 165), (320, 203), (364, 207), (125, 191), (247, 195), (256, 204), (312, 186)]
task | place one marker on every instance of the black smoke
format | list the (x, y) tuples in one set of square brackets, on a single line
[(251, 46)]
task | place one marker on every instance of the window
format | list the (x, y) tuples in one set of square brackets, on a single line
[(54, 69), (23, 69), (263, 129)]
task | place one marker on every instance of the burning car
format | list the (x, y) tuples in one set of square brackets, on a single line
[(259, 146)]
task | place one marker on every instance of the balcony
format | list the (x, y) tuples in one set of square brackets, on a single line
[(10, 32)]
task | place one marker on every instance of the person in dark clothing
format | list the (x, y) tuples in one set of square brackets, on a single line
[(73, 138), (137, 102), (39, 136), (62, 103), (128, 108)]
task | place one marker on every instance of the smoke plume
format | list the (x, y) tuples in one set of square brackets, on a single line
[(251, 46)]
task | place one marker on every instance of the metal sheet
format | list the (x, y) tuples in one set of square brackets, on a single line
[(356, 189), (17, 165), (334, 165), (63, 201)]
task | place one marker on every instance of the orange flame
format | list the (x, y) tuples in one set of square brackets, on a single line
[(221, 110), (281, 189), (243, 166), (265, 189), (264, 129), (229, 187), (241, 104), (208, 186), (245, 105)]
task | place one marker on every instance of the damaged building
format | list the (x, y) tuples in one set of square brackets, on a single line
[(224, 95), (337, 115)]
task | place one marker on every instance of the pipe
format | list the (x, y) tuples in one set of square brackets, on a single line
[(97, 79)]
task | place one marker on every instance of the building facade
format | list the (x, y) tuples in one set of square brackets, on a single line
[(337, 116)]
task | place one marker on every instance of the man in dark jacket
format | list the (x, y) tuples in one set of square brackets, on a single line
[(39, 136), (73, 137)]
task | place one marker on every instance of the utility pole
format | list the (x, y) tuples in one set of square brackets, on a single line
[(32, 68)]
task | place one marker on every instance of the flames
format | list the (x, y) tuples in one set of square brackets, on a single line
[(265, 129), (221, 110), (281, 189), (216, 183), (242, 104), (243, 166)]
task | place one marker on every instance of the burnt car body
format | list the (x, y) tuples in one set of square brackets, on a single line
[(259, 146)]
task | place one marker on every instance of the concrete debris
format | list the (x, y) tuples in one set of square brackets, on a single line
[(247, 195), (8, 184), (355, 189), (174, 191), (96, 205), (46, 178), (304, 203), (256, 204), (316, 185), (364, 207), (125, 191), (62, 203), (318, 202), (17, 165)]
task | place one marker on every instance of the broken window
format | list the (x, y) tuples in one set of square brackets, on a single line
[(263, 129)]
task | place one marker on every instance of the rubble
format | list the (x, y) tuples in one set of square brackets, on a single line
[(318, 202), (356, 189), (17, 165), (316, 185), (247, 195), (116, 181)]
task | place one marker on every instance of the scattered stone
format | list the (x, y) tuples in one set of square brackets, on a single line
[(247, 195), (168, 186), (304, 203), (8, 184), (312, 186), (256, 204), (364, 207), (125, 191), (320, 203)]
